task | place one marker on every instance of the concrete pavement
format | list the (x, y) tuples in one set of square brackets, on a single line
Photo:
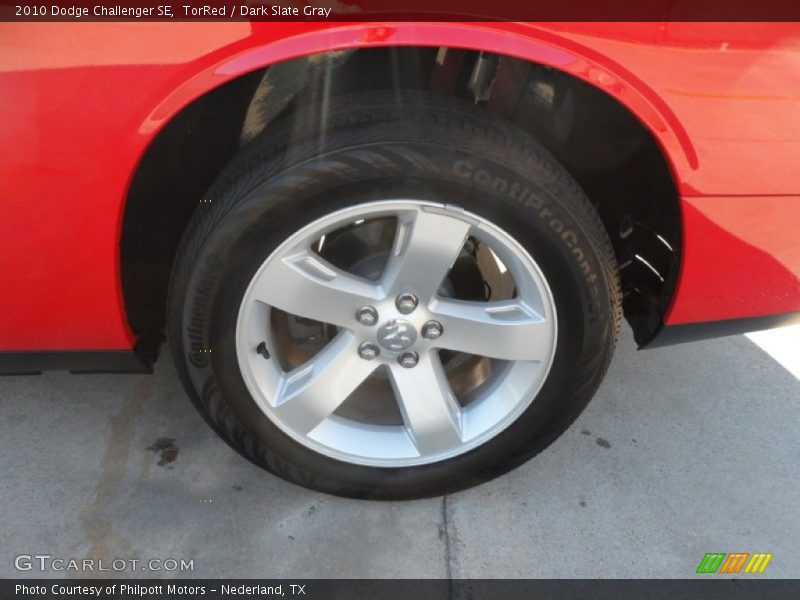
[(684, 450)]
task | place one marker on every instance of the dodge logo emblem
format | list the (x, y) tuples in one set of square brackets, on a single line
[(397, 335)]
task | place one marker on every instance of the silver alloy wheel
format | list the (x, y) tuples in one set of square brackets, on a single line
[(518, 334)]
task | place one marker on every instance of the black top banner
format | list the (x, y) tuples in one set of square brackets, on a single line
[(400, 10)]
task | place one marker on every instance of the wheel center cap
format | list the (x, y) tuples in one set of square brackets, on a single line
[(397, 335)]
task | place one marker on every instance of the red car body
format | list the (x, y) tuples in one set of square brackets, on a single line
[(83, 102)]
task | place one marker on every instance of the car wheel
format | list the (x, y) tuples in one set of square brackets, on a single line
[(396, 299)]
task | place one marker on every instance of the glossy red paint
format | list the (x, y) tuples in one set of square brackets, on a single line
[(741, 258), (82, 101)]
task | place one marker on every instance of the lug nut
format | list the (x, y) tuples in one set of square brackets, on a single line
[(406, 303), (408, 359), (432, 330), (367, 315), (368, 351)]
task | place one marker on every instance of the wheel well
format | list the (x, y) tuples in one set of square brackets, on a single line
[(610, 153)]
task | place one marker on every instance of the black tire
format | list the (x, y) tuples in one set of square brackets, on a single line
[(414, 140)]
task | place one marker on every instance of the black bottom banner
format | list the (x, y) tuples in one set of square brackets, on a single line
[(415, 589)]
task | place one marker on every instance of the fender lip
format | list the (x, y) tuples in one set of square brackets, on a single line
[(670, 335), (526, 41)]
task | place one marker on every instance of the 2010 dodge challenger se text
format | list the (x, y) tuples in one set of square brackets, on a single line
[(390, 259)]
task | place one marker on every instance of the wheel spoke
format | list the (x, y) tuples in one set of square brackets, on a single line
[(306, 285), (313, 391), (430, 410), (507, 330), (426, 246)]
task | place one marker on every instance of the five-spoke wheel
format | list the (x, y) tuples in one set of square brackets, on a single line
[(397, 321)]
